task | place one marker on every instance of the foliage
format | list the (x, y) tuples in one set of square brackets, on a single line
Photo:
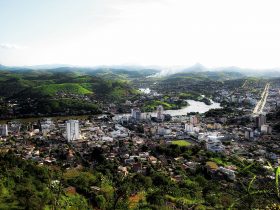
[(150, 106), (181, 143), (24, 185), (66, 88)]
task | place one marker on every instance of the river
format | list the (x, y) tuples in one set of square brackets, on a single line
[(194, 106)]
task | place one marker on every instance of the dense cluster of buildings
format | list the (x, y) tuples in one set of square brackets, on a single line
[(123, 137)]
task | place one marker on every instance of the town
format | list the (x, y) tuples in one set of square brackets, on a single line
[(136, 141), (139, 105)]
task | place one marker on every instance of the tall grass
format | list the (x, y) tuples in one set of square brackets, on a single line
[(277, 174)]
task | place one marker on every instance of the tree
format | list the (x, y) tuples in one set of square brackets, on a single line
[(101, 201)]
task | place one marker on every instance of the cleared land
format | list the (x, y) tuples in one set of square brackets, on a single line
[(181, 143)]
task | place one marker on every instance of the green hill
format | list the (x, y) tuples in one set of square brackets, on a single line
[(39, 92), (67, 88)]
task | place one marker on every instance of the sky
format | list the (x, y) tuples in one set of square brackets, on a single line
[(244, 33)]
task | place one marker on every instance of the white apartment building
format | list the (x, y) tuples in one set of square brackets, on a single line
[(72, 130)]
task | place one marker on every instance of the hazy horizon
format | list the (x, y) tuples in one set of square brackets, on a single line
[(163, 33)]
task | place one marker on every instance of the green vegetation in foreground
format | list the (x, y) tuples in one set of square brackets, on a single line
[(25, 185), (181, 143), (67, 88)]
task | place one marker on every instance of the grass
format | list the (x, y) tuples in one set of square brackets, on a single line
[(220, 161), (277, 174), (181, 143), (190, 95), (153, 104), (135, 199), (182, 200), (72, 88)]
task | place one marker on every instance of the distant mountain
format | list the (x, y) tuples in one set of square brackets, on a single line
[(2, 67), (206, 75), (136, 71), (48, 66), (12, 68), (198, 68), (110, 72)]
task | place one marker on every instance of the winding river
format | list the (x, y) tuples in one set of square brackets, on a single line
[(194, 106)]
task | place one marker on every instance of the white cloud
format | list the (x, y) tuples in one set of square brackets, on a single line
[(154, 32), (9, 46)]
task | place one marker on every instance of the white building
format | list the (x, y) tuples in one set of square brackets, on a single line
[(266, 129), (189, 127), (4, 130), (72, 130), (234, 99), (194, 120), (120, 132), (260, 120), (46, 126), (161, 130), (160, 115), (214, 145), (145, 116), (136, 114), (228, 172), (249, 134)]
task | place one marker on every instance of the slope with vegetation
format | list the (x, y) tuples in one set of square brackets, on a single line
[(61, 91), (24, 185)]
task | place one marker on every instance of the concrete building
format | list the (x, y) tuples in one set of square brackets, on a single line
[(136, 114), (194, 120), (266, 129), (161, 130), (4, 130), (189, 127), (46, 126), (214, 145), (72, 130), (260, 120), (234, 99), (249, 134), (160, 115), (228, 172), (217, 126)]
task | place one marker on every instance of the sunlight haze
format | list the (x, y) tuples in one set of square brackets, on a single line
[(140, 32)]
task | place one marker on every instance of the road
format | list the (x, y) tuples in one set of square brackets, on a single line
[(245, 83), (260, 105)]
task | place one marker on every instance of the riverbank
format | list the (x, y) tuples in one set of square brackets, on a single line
[(152, 105), (193, 106)]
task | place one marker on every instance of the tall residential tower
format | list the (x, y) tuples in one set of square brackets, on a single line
[(72, 130)]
